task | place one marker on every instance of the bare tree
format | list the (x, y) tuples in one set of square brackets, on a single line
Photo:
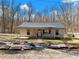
[(13, 12), (30, 11), (4, 7)]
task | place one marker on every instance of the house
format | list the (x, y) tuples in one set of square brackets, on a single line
[(41, 30)]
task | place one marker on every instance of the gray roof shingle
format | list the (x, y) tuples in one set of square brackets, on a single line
[(40, 25)]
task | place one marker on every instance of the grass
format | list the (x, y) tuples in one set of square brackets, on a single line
[(55, 41), (74, 41), (7, 34), (17, 36), (70, 41), (8, 39)]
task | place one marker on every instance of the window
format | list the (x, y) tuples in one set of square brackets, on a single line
[(47, 31), (43, 31), (57, 32), (28, 32)]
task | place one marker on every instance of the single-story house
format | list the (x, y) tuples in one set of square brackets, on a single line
[(41, 30)]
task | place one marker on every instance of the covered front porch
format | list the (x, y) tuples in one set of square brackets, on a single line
[(42, 33)]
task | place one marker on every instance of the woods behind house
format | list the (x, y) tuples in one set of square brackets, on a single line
[(11, 16)]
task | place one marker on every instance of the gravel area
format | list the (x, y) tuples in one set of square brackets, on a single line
[(43, 54)]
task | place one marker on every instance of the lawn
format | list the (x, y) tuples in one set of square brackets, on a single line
[(55, 41), (7, 36), (8, 39), (73, 41)]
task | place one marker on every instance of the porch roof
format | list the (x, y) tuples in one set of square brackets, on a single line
[(41, 25)]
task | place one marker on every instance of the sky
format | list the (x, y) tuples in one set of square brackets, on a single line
[(40, 5)]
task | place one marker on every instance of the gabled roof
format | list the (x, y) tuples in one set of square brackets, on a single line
[(41, 25)]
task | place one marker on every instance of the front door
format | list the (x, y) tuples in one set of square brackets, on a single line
[(39, 34)]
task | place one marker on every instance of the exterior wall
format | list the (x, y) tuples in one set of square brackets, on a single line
[(23, 32), (53, 32), (33, 32), (61, 33), (51, 35)]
